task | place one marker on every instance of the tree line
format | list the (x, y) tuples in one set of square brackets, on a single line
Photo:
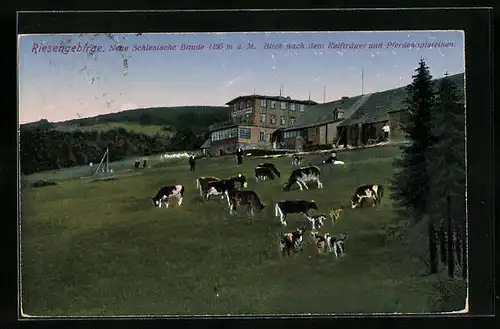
[(47, 149), (429, 180)]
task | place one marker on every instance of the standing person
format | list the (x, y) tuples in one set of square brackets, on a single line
[(192, 163), (239, 155), (386, 129)]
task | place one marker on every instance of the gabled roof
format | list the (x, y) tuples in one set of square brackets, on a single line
[(380, 104), (324, 113), (207, 144), (273, 98)]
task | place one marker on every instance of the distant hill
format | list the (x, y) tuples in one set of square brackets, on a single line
[(194, 118)]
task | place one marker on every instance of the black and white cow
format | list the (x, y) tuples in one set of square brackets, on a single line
[(202, 183), (249, 199), (225, 185), (169, 192), (336, 245), (371, 191), (283, 208), (302, 176), (291, 241), (266, 171)]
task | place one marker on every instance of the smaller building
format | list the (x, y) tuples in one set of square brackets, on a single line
[(205, 147), (319, 126)]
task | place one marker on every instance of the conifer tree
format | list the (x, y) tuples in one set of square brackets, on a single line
[(410, 184)]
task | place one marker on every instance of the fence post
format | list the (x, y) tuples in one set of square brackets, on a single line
[(451, 261)]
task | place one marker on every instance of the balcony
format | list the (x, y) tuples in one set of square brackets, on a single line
[(220, 125), (224, 124)]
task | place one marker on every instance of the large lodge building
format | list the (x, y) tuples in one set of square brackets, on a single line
[(257, 121), (254, 121)]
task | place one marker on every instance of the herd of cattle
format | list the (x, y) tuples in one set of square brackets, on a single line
[(234, 191)]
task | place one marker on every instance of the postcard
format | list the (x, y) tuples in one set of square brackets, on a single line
[(266, 173)]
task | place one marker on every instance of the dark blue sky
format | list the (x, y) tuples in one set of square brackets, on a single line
[(58, 86)]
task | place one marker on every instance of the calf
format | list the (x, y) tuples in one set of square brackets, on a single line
[(337, 245), (297, 160), (372, 191), (335, 214), (283, 208), (250, 199), (303, 175), (222, 186), (320, 241), (167, 193), (291, 241), (266, 171)]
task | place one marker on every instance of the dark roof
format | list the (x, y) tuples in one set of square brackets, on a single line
[(274, 98), (207, 144), (380, 104), (323, 113)]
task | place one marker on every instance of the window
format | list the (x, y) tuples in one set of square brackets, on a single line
[(292, 120), (291, 134), (263, 118), (273, 104), (262, 136), (283, 105), (273, 119), (263, 103), (292, 107), (302, 107), (244, 133), (283, 121), (235, 106), (249, 103), (241, 105)]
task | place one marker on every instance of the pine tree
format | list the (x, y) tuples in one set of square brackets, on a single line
[(410, 184), (447, 161)]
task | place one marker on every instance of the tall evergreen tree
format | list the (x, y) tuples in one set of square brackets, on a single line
[(410, 184), (447, 160)]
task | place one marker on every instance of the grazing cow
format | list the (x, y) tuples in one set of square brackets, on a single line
[(297, 160), (167, 193), (291, 241), (202, 183), (303, 175), (337, 245), (220, 187), (372, 191), (250, 199), (335, 214), (266, 171), (326, 242), (192, 163), (283, 208)]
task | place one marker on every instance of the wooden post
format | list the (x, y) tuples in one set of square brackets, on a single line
[(451, 261), (442, 243), (464, 250), (431, 232)]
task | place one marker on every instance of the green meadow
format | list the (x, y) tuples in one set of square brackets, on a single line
[(102, 248)]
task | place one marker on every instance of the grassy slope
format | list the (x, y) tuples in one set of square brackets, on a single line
[(102, 249)]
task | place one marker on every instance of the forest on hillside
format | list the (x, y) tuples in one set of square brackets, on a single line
[(44, 147)]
